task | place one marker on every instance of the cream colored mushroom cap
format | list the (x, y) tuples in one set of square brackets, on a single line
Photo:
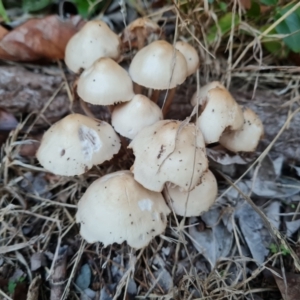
[(76, 143), (191, 56), (131, 117), (158, 159), (158, 66), (247, 138), (115, 208), (221, 112), (105, 83), (195, 202), (203, 92), (93, 41)]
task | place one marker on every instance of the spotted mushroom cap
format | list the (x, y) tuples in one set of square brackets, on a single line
[(131, 117), (195, 202), (93, 41), (158, 66), (115, 208), (245, 139), (105, 83), (165, 152), (76, 143), (203, 92), (191, 56), (221, 112)]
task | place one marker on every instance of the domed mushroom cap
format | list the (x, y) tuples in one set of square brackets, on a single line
[(245, 139), (203, 92), (105, 83), (158, 66), (131, 117), (195, 202), (76, 143), (220, 112), (191, 56), (115, 208), (165, 151), (93, 41)]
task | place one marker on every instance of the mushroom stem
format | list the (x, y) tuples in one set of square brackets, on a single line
[(138, 89), (155, 95), (86, 109), (168, 101)]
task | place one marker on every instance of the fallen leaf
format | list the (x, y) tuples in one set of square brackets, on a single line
[(38, 39), (254, 231), (3, 31), (33, 290), (37, 260), (84, 277), (7, 121), (215, 242), (292, 289)]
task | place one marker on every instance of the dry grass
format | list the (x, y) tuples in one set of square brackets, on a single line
[(34, 221)]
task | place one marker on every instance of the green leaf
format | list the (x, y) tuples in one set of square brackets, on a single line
[(273, 248), (3, 13), (34, 5), (290, 25), (268, 2), (11, 287), (224, 26), (223, 6), (86, 8), (254, 10)]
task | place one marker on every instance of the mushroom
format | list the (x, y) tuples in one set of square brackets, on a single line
[(131, 117), (115, 208), (158, 66), (202, 93), (169, 151), (195, 202), (191, 56), (220, 113), (245, 139), (139, 31), (93, 41), (105, 83), (76, 143)]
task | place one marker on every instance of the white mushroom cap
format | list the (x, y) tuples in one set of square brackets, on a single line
[(195, 202), (105, 83), (131, 117), (93, 41), (115, 208), (246, 139), (191, 56), (76, 143), (203, 92), (165, 152), (158, 66), (221, 112)]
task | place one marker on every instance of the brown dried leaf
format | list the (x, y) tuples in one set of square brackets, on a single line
[(7, 123), (33, 290), (292, 290), (39, 39)]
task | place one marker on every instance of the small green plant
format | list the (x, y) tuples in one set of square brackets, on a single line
[(12, 284), (274, 249)]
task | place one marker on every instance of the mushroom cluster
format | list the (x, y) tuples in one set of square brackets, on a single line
[(170, 166)]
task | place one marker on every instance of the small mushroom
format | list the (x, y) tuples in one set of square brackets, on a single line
[(138, 32), (169, 151), (105, 83), (195, 202), (76, 143), (158, 66), (115, 208), (220, 113), (202, 93), (245, 139), (93, 41), (131, 117), (191, 56)]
